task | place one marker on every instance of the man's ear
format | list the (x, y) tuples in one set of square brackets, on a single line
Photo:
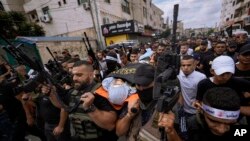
[(212, 72)]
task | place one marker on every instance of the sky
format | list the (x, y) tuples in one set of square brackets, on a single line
[(193, 13)]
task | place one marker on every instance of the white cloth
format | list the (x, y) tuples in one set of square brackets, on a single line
[(148, 53), (189, 89)]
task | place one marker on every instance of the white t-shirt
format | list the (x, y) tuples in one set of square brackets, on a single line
[(189, 89)]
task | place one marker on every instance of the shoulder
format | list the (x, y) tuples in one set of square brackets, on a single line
[(199, 75), (240, 81), (204, 82)]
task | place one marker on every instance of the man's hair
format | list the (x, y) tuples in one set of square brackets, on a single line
[(134, 51), (184, 44), (73, 60), (221, 42), (83, 62), (187, 57), (123, 54), (222, 98)]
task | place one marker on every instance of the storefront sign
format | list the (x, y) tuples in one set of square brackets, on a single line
[(118, 28)]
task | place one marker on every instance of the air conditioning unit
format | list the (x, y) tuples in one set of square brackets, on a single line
[(45, 18), (86, 6)]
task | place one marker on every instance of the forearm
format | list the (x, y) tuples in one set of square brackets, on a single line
[(104, 119), (173, 136), (122, 125), (54, 100), (245, 110), (26, 109), (63, 118)]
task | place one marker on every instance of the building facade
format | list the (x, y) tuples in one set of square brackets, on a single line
[(73, 17), (12, 5), (235, 13)]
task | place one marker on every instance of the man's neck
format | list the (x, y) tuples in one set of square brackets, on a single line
[(215, 81), (243, 67)]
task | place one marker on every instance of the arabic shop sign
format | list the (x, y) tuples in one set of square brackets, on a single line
[(118, 28)]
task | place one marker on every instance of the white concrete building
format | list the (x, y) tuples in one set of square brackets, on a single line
[(73, 17), (59, 17), (235, 12), (12, 5)]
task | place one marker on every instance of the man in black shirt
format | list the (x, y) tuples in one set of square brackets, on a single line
[(12, 115), (222, 70), (242, 68), (219, 49), (218, 112), (96, 115)]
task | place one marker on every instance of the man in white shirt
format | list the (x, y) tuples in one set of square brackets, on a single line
[(189, 79)]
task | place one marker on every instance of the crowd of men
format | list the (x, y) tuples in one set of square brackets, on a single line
[(116, 99)]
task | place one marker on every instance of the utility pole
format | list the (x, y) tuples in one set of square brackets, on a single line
[(98, 25)]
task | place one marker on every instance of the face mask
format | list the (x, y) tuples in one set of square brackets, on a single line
[(146, 95), (118, 93)]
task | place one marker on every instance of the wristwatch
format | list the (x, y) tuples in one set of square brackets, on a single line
[(91, 108)]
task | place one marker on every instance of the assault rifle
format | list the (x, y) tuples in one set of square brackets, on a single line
[(91, 53), (41, 77), (57, 71)]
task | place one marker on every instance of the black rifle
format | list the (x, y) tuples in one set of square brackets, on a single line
[(91, 53), (58, 72), (41, 77), (166, 89)]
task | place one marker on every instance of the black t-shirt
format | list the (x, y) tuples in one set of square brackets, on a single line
[(204, 54), (201, 132), (242, 74), (207, 62), (11, 105), (237, 84), (49, 112)]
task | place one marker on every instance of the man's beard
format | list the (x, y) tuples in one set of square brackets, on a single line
[(80, 85)]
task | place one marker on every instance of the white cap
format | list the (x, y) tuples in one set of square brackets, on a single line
[(223, 64)]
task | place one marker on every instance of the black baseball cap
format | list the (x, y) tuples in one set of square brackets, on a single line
[(144, 74), (244, 49)]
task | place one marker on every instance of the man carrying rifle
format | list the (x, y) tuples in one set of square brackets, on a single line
[(12, 115), (95, 119)]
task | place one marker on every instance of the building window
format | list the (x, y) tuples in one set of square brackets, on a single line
[(1, 6), (107, 1), (144, 12), (45, 10), (233, 3), (125, 6), (59, 3), (82, 1), (33, 16), (232, 16), (151, 17), (64, 2), (145, 1), (106, 20)]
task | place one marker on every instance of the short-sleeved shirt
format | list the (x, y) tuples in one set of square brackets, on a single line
[(189, 89), (242, 74), (237, 84)]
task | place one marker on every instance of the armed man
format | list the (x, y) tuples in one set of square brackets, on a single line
[(95, 119)]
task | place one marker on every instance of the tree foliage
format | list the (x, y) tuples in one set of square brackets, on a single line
[(14, 24), (166, 33)]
